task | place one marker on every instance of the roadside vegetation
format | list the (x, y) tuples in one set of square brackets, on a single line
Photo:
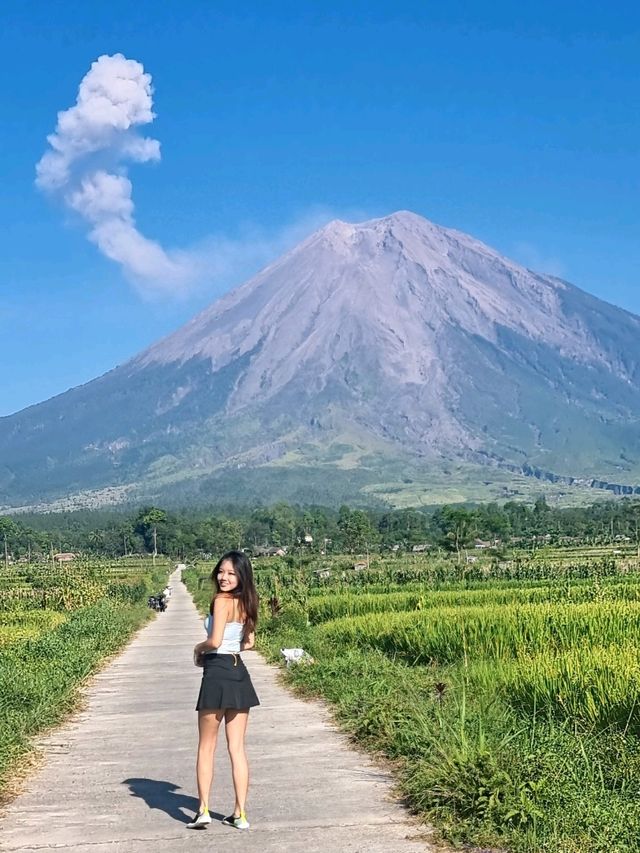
[(506, 692), (492, 653), (57, 625)]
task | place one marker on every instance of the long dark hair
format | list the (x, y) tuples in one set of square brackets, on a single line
[(245, 592)]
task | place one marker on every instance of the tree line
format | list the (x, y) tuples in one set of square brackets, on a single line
[(191, 533)]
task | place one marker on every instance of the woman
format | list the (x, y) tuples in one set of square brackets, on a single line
[(226, 692)]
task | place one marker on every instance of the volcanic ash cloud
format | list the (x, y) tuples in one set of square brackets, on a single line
[(86, 166)]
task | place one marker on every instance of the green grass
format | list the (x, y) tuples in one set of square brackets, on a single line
[(328, 607), (589, 686), (45, 656), (470, 764), (509, 704)]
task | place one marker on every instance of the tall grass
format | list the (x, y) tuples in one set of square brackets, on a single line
[(23, 625), (327, 607), (497, 632), (592, 686), (508, 695)]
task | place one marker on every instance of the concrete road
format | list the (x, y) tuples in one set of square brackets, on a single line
[(120, 775)]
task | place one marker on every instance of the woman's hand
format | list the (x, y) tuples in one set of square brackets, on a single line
[(198, 655)]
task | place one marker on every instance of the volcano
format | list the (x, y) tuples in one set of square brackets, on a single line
[(391, 361)]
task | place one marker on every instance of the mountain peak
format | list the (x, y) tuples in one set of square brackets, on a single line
[(394, 333), (399, 219), (412, 235), (404, 218), (394, 278)]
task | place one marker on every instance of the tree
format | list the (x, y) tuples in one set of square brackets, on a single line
[(457, 525), (517, 515), (219, 535), (7, 530), (493, 521), (404, 527), (356, 531), (96, 541), (148, 521), (631, 510)]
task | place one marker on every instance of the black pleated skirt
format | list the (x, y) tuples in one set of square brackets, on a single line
[(226, 684)]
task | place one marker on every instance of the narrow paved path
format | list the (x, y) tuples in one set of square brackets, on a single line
[(120, 775)]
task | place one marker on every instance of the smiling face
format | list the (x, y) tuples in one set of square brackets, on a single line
[(227, 577)]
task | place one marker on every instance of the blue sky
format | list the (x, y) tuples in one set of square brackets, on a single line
[(517, 123)]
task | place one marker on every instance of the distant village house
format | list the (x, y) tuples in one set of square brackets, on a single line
[(269, 552)]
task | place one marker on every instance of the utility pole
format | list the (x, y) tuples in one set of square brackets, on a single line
[(6, 551)]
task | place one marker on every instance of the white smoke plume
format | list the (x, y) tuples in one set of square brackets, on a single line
[(86, 165)]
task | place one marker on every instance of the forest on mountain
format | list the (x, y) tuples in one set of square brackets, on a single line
[(190, 534)]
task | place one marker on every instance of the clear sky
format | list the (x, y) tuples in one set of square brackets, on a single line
[(517, 123)]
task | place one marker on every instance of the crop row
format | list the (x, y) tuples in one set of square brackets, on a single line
[(72, 591), (451, 634), (386, 576), (595, 686), (27, 625), (328, 607)]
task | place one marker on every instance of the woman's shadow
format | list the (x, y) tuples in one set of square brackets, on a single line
[(163, 796)]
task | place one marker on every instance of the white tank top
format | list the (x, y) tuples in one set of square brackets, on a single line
[(231, 637)]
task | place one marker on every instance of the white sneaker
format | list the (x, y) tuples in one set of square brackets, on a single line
[(239, 822), (200, 821)]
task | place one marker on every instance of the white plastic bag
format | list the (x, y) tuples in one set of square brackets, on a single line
[(295, 656)]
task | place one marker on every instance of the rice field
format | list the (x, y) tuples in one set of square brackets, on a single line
[(509, 692), (506, 691)]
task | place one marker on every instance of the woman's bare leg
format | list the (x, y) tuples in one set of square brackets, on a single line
[(235, 728), (208, 725)]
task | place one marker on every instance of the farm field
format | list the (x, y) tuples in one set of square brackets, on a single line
[(506, 690), (57, 624)]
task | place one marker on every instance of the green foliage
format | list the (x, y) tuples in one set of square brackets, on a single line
[(356, 532), (195, 533), (457, 526), (323, 608), (27, 625), (472, 782), (508, 703), (46, 653)]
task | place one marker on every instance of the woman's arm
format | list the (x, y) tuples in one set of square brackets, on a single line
[(221, 610), (248, 641)]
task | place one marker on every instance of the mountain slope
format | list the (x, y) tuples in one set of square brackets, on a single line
[(379, 352)]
